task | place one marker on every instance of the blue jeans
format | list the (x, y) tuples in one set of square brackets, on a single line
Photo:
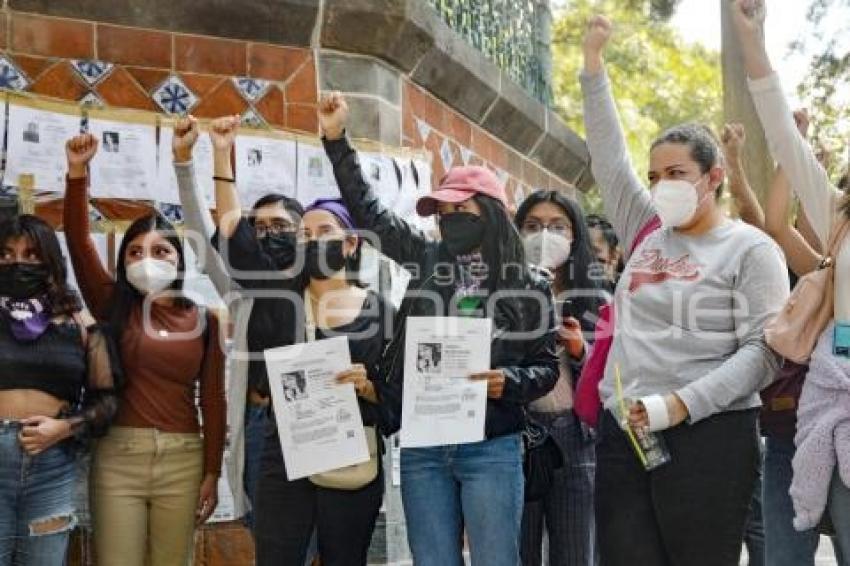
[(784, 546), (36, 501), (256, 417), (478, 487)]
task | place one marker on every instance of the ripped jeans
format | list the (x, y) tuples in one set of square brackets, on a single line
[(36, 501)]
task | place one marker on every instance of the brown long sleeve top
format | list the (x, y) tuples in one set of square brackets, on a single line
[(162, 366)]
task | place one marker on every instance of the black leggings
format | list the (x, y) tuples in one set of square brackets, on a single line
[(286, 513), (689, 512)]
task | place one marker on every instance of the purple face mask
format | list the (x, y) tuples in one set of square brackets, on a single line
[(28, 318)]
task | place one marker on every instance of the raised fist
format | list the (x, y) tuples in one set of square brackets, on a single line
[(333, 115), (80, 150), (223, 132), (185, 135), (748, 15), (598, 33), (733, 137), (801, 118)]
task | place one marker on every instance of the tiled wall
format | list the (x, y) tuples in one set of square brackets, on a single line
[(171, 72)]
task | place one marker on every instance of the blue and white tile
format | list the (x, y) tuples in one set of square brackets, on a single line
[(11, 76), (174, 97), (252, 119), (92, 71), (91, 99), (251, 89)]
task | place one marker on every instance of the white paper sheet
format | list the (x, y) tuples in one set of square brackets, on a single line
[(380, 172), (125, 164), (264, 165), (318, 420), (101, 244), (315, 175), (37, 146), (441, 405), (202, 157), (423, 186)]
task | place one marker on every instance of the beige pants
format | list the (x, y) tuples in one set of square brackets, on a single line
[(145, 487)]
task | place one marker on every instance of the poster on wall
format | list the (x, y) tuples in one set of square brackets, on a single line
[(125, 164), (265, 164), (315, 174), (382, 174), (37, 134), (202, 158)]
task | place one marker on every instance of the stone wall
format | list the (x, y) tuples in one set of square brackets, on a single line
[(411, 80)]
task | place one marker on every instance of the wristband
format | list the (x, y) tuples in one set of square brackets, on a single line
[(656, 411), (223, 179)]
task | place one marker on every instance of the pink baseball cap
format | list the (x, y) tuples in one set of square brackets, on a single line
[(460, 184)]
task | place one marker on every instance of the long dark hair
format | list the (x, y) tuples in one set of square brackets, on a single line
[(844, 205), (125, 296), (574, 274), (63, 299), (502, 249)]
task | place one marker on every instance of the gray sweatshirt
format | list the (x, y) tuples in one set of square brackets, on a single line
[(690, 310)]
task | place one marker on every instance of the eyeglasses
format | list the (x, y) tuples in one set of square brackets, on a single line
[(274, 229), (560, 228)]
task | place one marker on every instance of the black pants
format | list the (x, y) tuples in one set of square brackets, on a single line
[(689, 512), (286, 513)]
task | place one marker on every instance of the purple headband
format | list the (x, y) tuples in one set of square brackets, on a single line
[(335, 207)]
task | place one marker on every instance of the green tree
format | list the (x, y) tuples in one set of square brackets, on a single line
[(824, 90), (659, 79)]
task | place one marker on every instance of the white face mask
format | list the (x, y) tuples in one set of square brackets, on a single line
[(151, 276), (676, 201), (546, 249)]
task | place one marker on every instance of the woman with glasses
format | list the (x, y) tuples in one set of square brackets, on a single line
[(556, 238), (608, 252), (326, 279)]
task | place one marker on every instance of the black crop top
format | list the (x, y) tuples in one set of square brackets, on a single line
[(60, 364)]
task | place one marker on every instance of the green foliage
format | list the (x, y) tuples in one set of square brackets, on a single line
[(825, 88), (659, 79), (514, 34)]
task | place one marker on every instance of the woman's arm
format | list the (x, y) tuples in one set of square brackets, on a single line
[(627, 204), (96, 283), (746, 201), (540, 369), (398, 240), (223, 135), (791, 151), (212, 401), (802, 258), (199, 222), (105, 377), (760, 291)]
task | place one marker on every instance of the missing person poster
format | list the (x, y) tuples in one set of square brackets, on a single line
[(441, 405), (37, 133), (318, 419)]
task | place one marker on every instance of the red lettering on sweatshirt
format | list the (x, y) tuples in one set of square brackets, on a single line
[(651, 268)]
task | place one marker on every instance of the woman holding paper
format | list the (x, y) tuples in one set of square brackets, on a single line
[(155, 475), (821, 483), (557, 239), (323, 285), (478, 270), (57, 387), (688, 345)]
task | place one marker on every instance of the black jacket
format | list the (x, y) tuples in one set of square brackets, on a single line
[(529, 363)]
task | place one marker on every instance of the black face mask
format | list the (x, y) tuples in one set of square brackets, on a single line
[(280, 248), (23, 280), (324, 258), (462, 232)]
